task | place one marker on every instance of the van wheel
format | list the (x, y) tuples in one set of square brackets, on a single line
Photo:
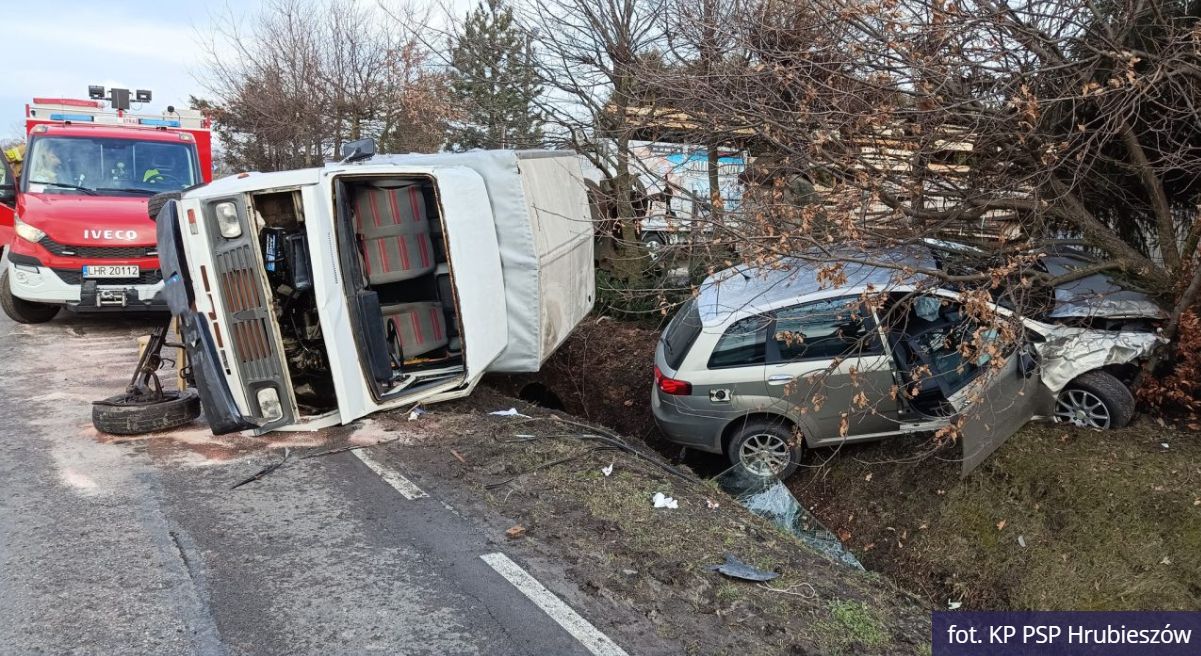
[(21, 310), (766, 449), (157, 201), (1095, 399), (120, 415)]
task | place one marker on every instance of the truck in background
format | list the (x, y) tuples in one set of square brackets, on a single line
[(74, 225)]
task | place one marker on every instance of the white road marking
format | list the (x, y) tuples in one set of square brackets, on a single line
[(400, 483), (579, 628)]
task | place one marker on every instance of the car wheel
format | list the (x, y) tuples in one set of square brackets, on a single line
[(120, 415), (654, 244), (766, 449), (1096, 399), (157, 201), (21, 310)]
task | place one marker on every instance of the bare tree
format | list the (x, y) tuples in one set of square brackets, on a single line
[(288, 89), (589, 53)]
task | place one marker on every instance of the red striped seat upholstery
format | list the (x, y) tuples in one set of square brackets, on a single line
[(420, 327), (394, 231)]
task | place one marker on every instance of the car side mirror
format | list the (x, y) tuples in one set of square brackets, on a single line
[(8, 194), (353, 151)]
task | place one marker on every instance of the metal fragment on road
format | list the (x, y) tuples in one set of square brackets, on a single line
[(735, 568)]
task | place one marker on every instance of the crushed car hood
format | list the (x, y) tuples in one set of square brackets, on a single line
[(1069, 352)]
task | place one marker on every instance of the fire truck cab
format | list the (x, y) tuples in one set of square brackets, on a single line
[(74, 224)]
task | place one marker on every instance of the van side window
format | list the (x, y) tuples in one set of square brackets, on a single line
[(825, 329), (743, 344)]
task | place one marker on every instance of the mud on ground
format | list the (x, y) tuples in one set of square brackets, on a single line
[(1110, 519), (540, 475)]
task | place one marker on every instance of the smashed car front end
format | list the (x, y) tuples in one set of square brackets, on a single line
[(214, 284)]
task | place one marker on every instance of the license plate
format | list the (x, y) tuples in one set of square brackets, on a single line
[(111, 271)]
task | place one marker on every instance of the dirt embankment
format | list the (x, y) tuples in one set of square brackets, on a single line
[(547, 478), (1108, 519)]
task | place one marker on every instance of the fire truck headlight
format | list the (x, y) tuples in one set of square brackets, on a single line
[(26, 231), (269, 405), (227, 220)]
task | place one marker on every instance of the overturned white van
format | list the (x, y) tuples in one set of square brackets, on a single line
[(313, 297)]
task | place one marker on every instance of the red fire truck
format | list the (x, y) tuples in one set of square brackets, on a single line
[(74, 225)]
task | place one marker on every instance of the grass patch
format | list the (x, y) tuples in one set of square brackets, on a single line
[(1109, 520)]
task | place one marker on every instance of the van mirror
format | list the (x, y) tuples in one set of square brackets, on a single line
[(8, 194), (353, 151)]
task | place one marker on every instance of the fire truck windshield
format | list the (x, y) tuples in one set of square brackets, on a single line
[(108, 166)]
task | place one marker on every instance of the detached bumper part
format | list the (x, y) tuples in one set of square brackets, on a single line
[(215, 398)]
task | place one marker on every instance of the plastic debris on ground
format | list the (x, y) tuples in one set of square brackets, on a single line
[(416, 413), (768, 497), (737, 569), (954, 605), (511, 412), (607, 471), (663, 501)]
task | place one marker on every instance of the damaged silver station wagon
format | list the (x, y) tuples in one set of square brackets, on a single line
[(765, 361), (314, 297)]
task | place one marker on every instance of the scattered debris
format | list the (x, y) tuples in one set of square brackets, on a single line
[(768, 497), (1022, 541), (458, 456), (711, 504), (737, 569), (511, 412), (812, 594), (265, 470), (607, 471), (663, 501), (1163, 444), (416, 413), (630, 572), (514, 532), (954, 605), (344, 449)]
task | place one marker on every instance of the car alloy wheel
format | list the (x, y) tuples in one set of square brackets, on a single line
[(764, 454), (1081, 408)]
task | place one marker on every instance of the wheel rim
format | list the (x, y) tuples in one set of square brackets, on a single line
[(764, 454), (1081, 408)]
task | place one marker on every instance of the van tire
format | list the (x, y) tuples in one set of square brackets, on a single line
[(157, 201), (21, 310), (756, 434), (1113, 393), (117, 415)]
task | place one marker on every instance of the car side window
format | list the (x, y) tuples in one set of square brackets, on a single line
[(743, 344), (825, 329)]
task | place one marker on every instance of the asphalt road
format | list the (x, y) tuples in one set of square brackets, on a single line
[(140, 547)]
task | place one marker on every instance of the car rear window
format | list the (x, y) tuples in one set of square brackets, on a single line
[(681, 333), (743, 344)]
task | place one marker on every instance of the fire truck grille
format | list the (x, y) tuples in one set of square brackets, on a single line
[(97, 252), (248, 312), (75, 277)]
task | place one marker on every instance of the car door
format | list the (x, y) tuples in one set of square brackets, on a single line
[(8, 202), (992, 388), (827, 360)]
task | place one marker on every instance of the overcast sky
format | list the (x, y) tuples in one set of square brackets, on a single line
[(56, 49)]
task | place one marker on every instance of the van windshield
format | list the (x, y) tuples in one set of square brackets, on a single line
[(681, 333), (98, 166)]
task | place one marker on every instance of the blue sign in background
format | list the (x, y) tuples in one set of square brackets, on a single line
[(1068, 633)]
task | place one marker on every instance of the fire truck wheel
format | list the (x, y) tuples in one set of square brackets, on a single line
[(20, 310), (157, 201), (120, 415)]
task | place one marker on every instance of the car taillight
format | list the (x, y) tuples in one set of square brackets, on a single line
[(671, 385)]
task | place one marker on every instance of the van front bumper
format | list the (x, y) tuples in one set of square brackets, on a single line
[(220, 409)]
